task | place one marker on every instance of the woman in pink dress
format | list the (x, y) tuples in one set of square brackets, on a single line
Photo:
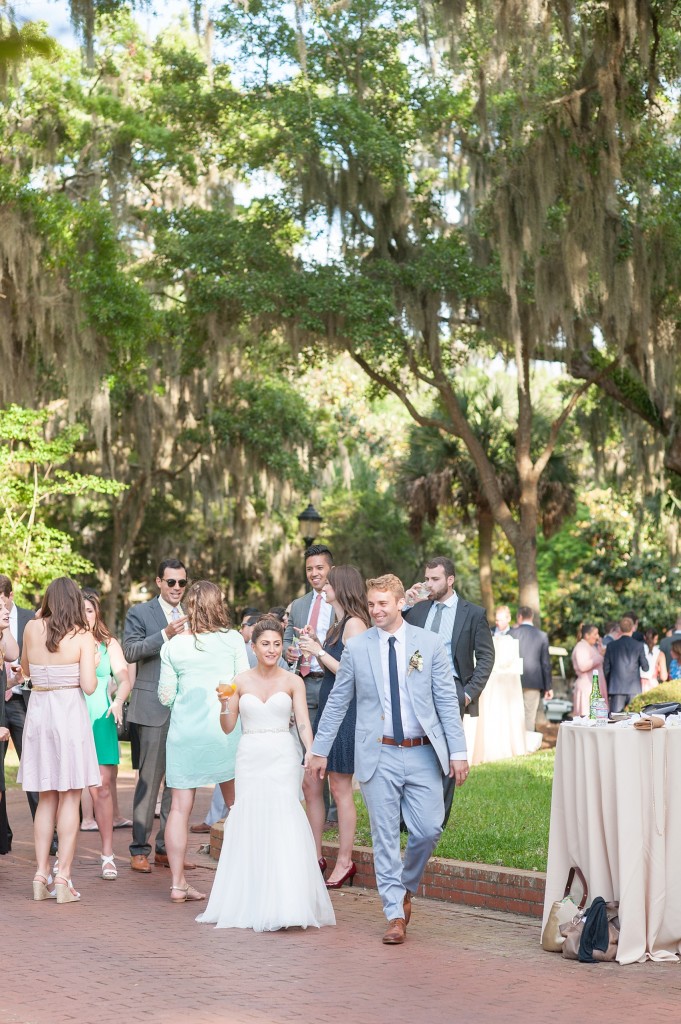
[(59, 757), (587, 656)]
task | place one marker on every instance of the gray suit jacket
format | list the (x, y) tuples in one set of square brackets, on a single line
[(434, 698), (300, 611), (142, 643)]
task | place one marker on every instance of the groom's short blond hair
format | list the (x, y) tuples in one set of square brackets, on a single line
[(388, 582)]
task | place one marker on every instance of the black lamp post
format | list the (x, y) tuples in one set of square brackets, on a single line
[(309, 522)]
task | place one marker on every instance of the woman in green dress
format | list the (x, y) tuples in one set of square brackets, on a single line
[(198, 753), (104, 716)]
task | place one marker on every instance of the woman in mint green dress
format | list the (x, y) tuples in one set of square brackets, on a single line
[(104, 715), (198, 753)]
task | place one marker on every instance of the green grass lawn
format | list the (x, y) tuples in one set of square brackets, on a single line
[(501, 815)]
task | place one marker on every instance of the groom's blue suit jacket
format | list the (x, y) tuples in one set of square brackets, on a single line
[(431, 689)]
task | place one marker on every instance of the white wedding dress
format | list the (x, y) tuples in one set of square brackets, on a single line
[(268, 876)]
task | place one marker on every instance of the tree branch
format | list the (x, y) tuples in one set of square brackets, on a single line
[(556, 427), (386, 382)]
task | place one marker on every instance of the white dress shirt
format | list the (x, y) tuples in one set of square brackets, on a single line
[(411, 727), (323, 623), (169, 612), (446, 624)]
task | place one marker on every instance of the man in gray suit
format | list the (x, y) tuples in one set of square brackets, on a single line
[(408, 735), (311, 610), (147, 627), (16, 698)]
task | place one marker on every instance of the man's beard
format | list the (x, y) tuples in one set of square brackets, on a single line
[(438, 591)]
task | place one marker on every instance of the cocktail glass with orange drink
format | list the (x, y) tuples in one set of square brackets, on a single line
[(226, 689)]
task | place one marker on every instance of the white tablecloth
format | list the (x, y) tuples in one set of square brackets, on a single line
[(616, 813), (499, 730)]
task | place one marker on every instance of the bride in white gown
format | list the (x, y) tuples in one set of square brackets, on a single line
[(268, 876)]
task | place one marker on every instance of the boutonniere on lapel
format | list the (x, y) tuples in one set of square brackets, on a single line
[(415, 662)]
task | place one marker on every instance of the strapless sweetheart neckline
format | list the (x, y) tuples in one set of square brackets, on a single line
[(279, 693)]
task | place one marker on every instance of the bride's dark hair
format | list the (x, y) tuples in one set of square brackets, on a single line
[(266, 625)]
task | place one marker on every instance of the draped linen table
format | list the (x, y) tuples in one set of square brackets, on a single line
[(498, 731), (615, 813)]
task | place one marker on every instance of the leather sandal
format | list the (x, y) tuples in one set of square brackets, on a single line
[(189, 894)]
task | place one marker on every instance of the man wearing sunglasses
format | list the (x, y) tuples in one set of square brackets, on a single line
[(147, 627)]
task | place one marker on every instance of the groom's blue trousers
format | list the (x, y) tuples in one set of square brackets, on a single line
[(407, 781)]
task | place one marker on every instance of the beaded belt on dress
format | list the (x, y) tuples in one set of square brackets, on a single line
[(248, 732), (49, 689)]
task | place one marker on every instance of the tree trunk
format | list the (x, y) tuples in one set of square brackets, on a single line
[(485, 537)]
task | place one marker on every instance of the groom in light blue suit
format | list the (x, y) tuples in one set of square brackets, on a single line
[(408, 734)]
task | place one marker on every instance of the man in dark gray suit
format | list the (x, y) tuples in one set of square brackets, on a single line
[(16, 698), (465, 632), (536, 675), (147, 627), (624, 661)]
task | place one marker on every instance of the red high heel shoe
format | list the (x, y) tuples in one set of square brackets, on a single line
[(322, 864), (349, 876)]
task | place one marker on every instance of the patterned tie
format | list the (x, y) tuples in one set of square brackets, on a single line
[(437, 618), (175, 614), (305, 666), (398, 732)]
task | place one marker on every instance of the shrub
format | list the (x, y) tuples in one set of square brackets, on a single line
[(659, 694)]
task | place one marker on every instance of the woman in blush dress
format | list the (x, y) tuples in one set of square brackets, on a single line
[(268, 877), (198, 753), (58, 759), (587, 657), (105, 716), (346, 591)]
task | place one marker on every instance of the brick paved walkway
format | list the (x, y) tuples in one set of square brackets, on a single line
[(124, 954)]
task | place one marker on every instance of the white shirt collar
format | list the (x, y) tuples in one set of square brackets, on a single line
[(399, 634), (168, 608), (451, 600)]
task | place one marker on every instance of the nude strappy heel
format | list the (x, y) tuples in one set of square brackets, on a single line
[(65, 891), (40, 890)]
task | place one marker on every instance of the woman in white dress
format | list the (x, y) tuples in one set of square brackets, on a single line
[(657, 663), (268, 876)]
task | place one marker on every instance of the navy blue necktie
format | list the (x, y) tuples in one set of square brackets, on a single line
[(398, 732)]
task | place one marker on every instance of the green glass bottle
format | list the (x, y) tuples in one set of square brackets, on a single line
[(595, 695)]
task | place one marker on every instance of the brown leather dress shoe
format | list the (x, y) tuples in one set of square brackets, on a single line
[(140, 863), (162, 860), (396, 932), (199, 828), (407, 907)]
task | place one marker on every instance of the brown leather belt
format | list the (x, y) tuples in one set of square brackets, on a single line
[(420, 741)]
